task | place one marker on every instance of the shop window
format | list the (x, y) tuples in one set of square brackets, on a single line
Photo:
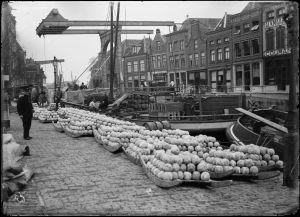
[(270, 39), (270, 15), (237, 50), (154, 61), (171, 59), (255, 25), (142, 65), (255, 46), (239, 75), (271, 68), (190, 60), (195, 44), (202, 58), (280, 37), (129, 67), (255, 74), (247, 78), (227, 54), (196, 59), (183, 78), (246, 48), (177, 61), (158, 45), (212, 56), (220, 55), (246, 27), (213, 79), (182, 60), (135, 66), (158, 61), (164, 61)]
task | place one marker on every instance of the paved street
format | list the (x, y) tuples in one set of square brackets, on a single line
[(79, 177)]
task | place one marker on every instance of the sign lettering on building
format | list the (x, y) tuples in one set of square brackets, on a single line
[(278, 52), (274, 23)]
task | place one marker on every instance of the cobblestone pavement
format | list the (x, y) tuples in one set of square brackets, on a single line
[(79, 177)]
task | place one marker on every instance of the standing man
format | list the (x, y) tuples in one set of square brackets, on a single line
[(25, 110)]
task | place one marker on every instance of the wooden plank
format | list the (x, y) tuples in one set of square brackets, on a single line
[(269, 123)]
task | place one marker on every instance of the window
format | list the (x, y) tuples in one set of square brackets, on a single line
[(270, 39), (129, 67), (212, 42), (181, 45), (255, 74), (182, 60), (226, 39), (142, 65), (177, 61), (158, 45), (237, 50), (190, 60), (170, 47), (196, 44), (164, 61), (280, 12), (176, 46), (136, 49), (154, 61), (219, 41), (237, 30), (158, 61), (246, 48), (255, 46), (270, 15), (246, 27), (171, 62), (220, 54), (239, 75), (226, 51), (135, 66), (255, 25), (202, 60), (280, 36), (212, 56), (196, 59)]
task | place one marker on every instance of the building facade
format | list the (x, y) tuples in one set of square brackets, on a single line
[(219, 62), (276, 48)]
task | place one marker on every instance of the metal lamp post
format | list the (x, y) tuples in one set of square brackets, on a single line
[(291, 153), (55, 81)]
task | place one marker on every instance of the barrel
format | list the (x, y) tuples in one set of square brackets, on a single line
[(150, 126), (166, 125), (159, 125)]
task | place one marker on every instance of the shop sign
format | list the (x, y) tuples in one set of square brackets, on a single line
[(274, 23), (278, 52)]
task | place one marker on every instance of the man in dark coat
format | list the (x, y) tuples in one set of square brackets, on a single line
[(25, 110)]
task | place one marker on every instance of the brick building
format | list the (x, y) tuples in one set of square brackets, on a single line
[(219, 50)]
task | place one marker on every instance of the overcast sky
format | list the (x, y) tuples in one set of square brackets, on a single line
[(78, 50)]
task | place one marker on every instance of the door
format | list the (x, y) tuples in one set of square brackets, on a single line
[(247, 77)]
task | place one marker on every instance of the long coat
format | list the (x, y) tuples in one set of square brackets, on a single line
[(24, 106)]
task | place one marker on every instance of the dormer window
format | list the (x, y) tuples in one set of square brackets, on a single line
[(280, 12), (237, 30), (136, 49), (255, 26)]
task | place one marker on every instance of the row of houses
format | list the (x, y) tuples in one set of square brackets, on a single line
[(248, 51), (16, 69)]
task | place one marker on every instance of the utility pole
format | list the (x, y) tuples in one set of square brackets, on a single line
[(291, 152), (111, 94)]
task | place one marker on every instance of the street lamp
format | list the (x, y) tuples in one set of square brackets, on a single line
[(291, 153), (55, 63)]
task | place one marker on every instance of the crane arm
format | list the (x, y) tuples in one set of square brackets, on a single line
[(48, 61)]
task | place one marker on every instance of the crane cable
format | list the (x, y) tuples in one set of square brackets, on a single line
[(86, 68)]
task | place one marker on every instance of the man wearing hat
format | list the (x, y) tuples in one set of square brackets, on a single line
[(25, 110)]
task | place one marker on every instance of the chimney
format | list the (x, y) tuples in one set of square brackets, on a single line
[(157, 31)]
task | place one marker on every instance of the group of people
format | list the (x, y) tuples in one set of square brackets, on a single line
[(39, 98), (102, 105)]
